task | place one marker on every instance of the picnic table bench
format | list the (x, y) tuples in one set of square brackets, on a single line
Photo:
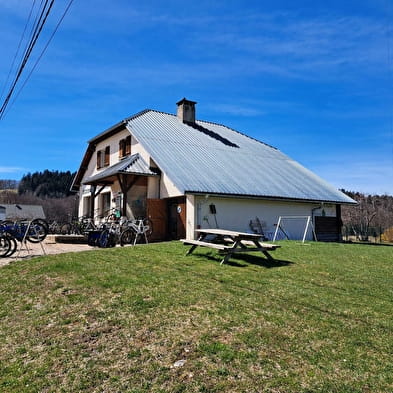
[(229, 242)]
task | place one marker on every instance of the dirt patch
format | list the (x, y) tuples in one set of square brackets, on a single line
[(30, 250)]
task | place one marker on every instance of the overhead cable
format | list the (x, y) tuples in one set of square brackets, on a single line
[(17, 50), (42, 53), (37, 31)]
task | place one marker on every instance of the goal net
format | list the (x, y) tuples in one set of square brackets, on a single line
[(294, 228)]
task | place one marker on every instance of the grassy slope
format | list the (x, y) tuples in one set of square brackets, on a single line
[(319, 320)]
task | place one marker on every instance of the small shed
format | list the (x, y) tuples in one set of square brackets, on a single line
[(2, 212), (21, 212)]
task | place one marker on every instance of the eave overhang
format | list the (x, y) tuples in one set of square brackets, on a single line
[(133, 165), (271, 198)]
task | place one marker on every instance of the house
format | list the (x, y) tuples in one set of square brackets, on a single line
[(185, 173)]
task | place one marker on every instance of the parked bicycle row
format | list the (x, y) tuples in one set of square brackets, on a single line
[(107, 234), (81, 225), (111, 230), (74, 227), (121, 232), (12, 232)]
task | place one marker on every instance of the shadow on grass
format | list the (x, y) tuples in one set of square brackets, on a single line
[(246, 259), (260, 261), (369, 244)]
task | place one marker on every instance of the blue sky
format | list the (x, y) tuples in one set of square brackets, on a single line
[(312, 78)]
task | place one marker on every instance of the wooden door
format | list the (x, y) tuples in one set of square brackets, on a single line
[(157, 213), (176, 218), (326, 229)]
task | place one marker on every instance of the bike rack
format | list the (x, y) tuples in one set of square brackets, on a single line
[(24, 241)]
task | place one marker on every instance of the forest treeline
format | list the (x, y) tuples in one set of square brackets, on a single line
[(372, 214), (50, 189), (7, 184), (47, 184)]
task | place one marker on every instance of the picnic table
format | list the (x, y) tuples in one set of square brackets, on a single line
[(229, 242)]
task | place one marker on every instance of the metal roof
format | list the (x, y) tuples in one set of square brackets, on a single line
[(134, 164), (23, 212), (199, 159)]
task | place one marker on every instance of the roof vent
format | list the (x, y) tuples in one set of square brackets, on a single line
[(186, 111)]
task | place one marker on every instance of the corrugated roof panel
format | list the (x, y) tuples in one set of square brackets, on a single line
[(134, 164), (197, 162)]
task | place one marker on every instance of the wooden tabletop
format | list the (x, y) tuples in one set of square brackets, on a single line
[(225, 232)]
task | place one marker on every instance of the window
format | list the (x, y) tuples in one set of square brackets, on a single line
[(86, 206), (125, 147), (105, 204), (103, 157)]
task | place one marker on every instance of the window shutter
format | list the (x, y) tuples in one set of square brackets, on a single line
[(121, 148), (99, 159), (107, 153), (128, 145)]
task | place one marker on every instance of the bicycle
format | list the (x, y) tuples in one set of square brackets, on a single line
[(86, 224), (8, 245), (111, 233), (140, 228), (34, 231)]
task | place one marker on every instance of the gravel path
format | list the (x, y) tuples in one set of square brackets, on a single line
[(50, 247)]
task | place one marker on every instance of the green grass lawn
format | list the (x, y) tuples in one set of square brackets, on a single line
[(149, 319)]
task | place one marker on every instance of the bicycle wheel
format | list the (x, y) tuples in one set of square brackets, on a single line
[(107, 239), (127, 237), (93, 238), (13, 244), (5, 246), (148, 228), (37, 231)]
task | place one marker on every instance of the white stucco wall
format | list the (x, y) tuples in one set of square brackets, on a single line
[(236, 213), (165, 188), (190, 216), (83, 209)]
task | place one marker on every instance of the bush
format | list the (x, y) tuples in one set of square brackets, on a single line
[(387, 236)]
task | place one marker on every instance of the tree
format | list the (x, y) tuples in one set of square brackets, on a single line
[(373, 212), (7, 184), (53, 184), (50, 189)]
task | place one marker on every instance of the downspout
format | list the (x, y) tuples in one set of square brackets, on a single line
[(313, 210)]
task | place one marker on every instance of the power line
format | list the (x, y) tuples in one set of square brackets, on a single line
[(37, 31), (33, 31), (17, 50), (42, 53), (390, 70)]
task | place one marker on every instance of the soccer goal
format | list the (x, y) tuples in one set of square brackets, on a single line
[(286, 224)]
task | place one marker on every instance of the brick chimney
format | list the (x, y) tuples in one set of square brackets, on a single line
[(186, 111)]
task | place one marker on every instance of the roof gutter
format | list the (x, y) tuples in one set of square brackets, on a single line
[(270, 198)]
